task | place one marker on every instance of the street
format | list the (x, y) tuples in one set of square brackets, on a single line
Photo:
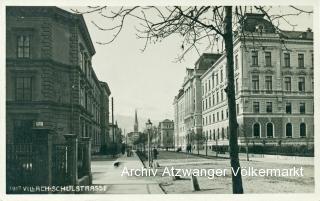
[(218, 185)]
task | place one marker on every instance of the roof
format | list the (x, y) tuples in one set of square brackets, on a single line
[(298, 34), (106, 87)]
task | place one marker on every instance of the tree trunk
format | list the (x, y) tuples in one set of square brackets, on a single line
[(233, 140)]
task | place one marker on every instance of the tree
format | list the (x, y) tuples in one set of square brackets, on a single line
[(213, 24)]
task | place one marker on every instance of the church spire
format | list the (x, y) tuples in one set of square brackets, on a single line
[(136, 127)]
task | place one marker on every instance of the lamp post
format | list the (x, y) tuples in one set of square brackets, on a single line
[(149, 126)]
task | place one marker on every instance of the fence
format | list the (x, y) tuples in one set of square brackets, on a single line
[(272, 149), (42, 163)]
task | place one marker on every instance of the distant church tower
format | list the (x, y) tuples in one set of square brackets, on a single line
[(136, 126)]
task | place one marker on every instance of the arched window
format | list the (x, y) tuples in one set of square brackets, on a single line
[(256, 130), (302, 130), (289, 130), (269, 130)]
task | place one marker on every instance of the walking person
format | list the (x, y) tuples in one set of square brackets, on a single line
[(155, 153)]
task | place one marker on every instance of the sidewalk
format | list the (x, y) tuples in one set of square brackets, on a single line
[(105, 173)]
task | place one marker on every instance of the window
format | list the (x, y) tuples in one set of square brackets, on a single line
[(287, 83), (255, 82), (209, 102), (222, 116), (22, 131), (289, 130), (213, 101), (302, 108), (256, 130), (217, 79), (269, 107), (268, 58), (217, 96), (214, 134), (268, 80), (302, 130), (213, 118), (312, 61), (288, 108), (301, 60), (237, 108), (236, 62), (209, 84), (23, 89), (269, 130), (287, 59), (227, 113), (221, 94), (217, 116), (256, 107), (301, 84), (212, 80), (206, 104), (222, 133), (237, 85), (221, 75), (23, 49), (254, 58)]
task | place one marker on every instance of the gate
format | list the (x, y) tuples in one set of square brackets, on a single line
[(24, 164), (59, 164)]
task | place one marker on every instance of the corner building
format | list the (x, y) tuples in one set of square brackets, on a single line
[(273, 84), (50, 79)]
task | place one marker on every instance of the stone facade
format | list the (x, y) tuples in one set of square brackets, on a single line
[(50, 79), (273, 84), (187, 104)]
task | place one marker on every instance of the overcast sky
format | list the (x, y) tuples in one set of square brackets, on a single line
[(146, 80)]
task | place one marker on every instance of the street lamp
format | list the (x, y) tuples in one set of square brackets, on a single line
[(149, 126)]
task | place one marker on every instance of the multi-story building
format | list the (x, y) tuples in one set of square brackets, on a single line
[(166, 133), (187, 104), (273, 85), (50, 79)]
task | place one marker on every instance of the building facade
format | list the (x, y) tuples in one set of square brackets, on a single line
[(50, 79), (273, 85), (166, 134), (187, 104)]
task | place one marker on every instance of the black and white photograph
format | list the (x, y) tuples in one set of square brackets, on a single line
[(159, 99)]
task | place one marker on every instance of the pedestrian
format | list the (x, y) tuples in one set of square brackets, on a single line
[(155, 153), (123, 149)]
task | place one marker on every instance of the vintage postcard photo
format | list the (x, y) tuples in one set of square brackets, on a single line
[(202, 99)]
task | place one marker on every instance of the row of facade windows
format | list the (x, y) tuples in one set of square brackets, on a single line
[(268, 83), (270, 130), (219, 116), (256, 131), (268, 63), (269, 107)]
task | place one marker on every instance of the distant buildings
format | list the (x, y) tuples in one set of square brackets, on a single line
[(273, 84), (187, 104), (166, 134), (50, 79), (133, 136)]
